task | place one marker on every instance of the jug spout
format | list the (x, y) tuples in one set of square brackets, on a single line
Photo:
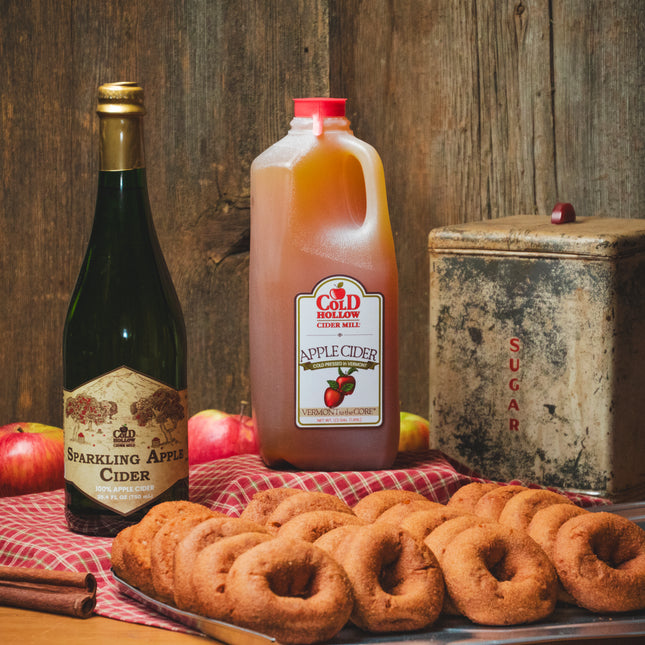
[(318, 109)]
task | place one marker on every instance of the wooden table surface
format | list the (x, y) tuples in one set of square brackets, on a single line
[(23, 627)]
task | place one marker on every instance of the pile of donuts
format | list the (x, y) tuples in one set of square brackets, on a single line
[(300, 565)]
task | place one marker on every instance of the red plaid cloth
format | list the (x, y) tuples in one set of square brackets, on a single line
[(33, 532)]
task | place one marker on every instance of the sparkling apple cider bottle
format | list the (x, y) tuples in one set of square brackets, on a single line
[(323, 298), (124, 345)]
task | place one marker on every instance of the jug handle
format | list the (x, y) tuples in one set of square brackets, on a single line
[(376, 210)]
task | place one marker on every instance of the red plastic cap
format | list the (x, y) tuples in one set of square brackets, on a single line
[(320, 107)]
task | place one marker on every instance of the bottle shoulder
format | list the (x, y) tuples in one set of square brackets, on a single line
[(123, 276), (118, 282), (284, 152), (300, 144)]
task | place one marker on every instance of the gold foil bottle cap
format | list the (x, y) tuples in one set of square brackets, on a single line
[(120, 109), (123, 98)]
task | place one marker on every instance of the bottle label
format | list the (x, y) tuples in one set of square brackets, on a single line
[(339, 349), (126, 439)]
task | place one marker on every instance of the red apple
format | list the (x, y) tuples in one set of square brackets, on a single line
[(337, 293), (332, 395), (31, 458), (213, 434), (415, 432)]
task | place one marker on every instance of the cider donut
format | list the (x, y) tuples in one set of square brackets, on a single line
[(137, 556), (291, 590), (372, 505), (421, 523), (311, 525), (439, 539), (547, 522), (191, 545), (396, 581), (544, 529), (497, 575), (210, 573), (264, 502), (162, 551), (467, 496), (120, 544), (334, 541), (301, 503), (490, 504), (520, 509), (600, 558), (395, 514)]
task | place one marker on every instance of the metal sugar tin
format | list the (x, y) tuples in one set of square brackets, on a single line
[(537, 351)]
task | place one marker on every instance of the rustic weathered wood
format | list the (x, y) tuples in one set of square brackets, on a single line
[(409, 72), (483, 109), (36, 220), (219, 78), (599, 75), (225, 97), (478, 108)]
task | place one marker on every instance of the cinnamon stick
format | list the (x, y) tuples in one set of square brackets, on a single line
[(60, 592)]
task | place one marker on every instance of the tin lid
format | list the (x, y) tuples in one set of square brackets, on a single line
[(535, 234)]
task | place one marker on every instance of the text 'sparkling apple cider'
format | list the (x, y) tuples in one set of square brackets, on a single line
[(323, 298)]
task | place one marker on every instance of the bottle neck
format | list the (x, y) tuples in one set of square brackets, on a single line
[(307, 125), (121, 143), (123, 180)]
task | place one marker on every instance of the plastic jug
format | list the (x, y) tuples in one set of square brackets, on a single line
[(323, 298)]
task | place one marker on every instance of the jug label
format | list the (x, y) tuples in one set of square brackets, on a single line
[(126, 439), (339, 349)]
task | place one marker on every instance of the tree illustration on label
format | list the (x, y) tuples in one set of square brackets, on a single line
[(164, 407), (344, 385), (87, 410)]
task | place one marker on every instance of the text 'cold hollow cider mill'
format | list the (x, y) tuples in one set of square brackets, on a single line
[(323, 298), (124, 346)]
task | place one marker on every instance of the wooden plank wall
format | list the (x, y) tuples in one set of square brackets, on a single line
[(489, 108), (479, 109)]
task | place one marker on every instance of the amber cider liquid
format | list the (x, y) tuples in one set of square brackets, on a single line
[(318, 209)]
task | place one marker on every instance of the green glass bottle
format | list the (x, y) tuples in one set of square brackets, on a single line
[(124, 346)]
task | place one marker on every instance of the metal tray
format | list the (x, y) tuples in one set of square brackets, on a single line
[(565, 624)]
